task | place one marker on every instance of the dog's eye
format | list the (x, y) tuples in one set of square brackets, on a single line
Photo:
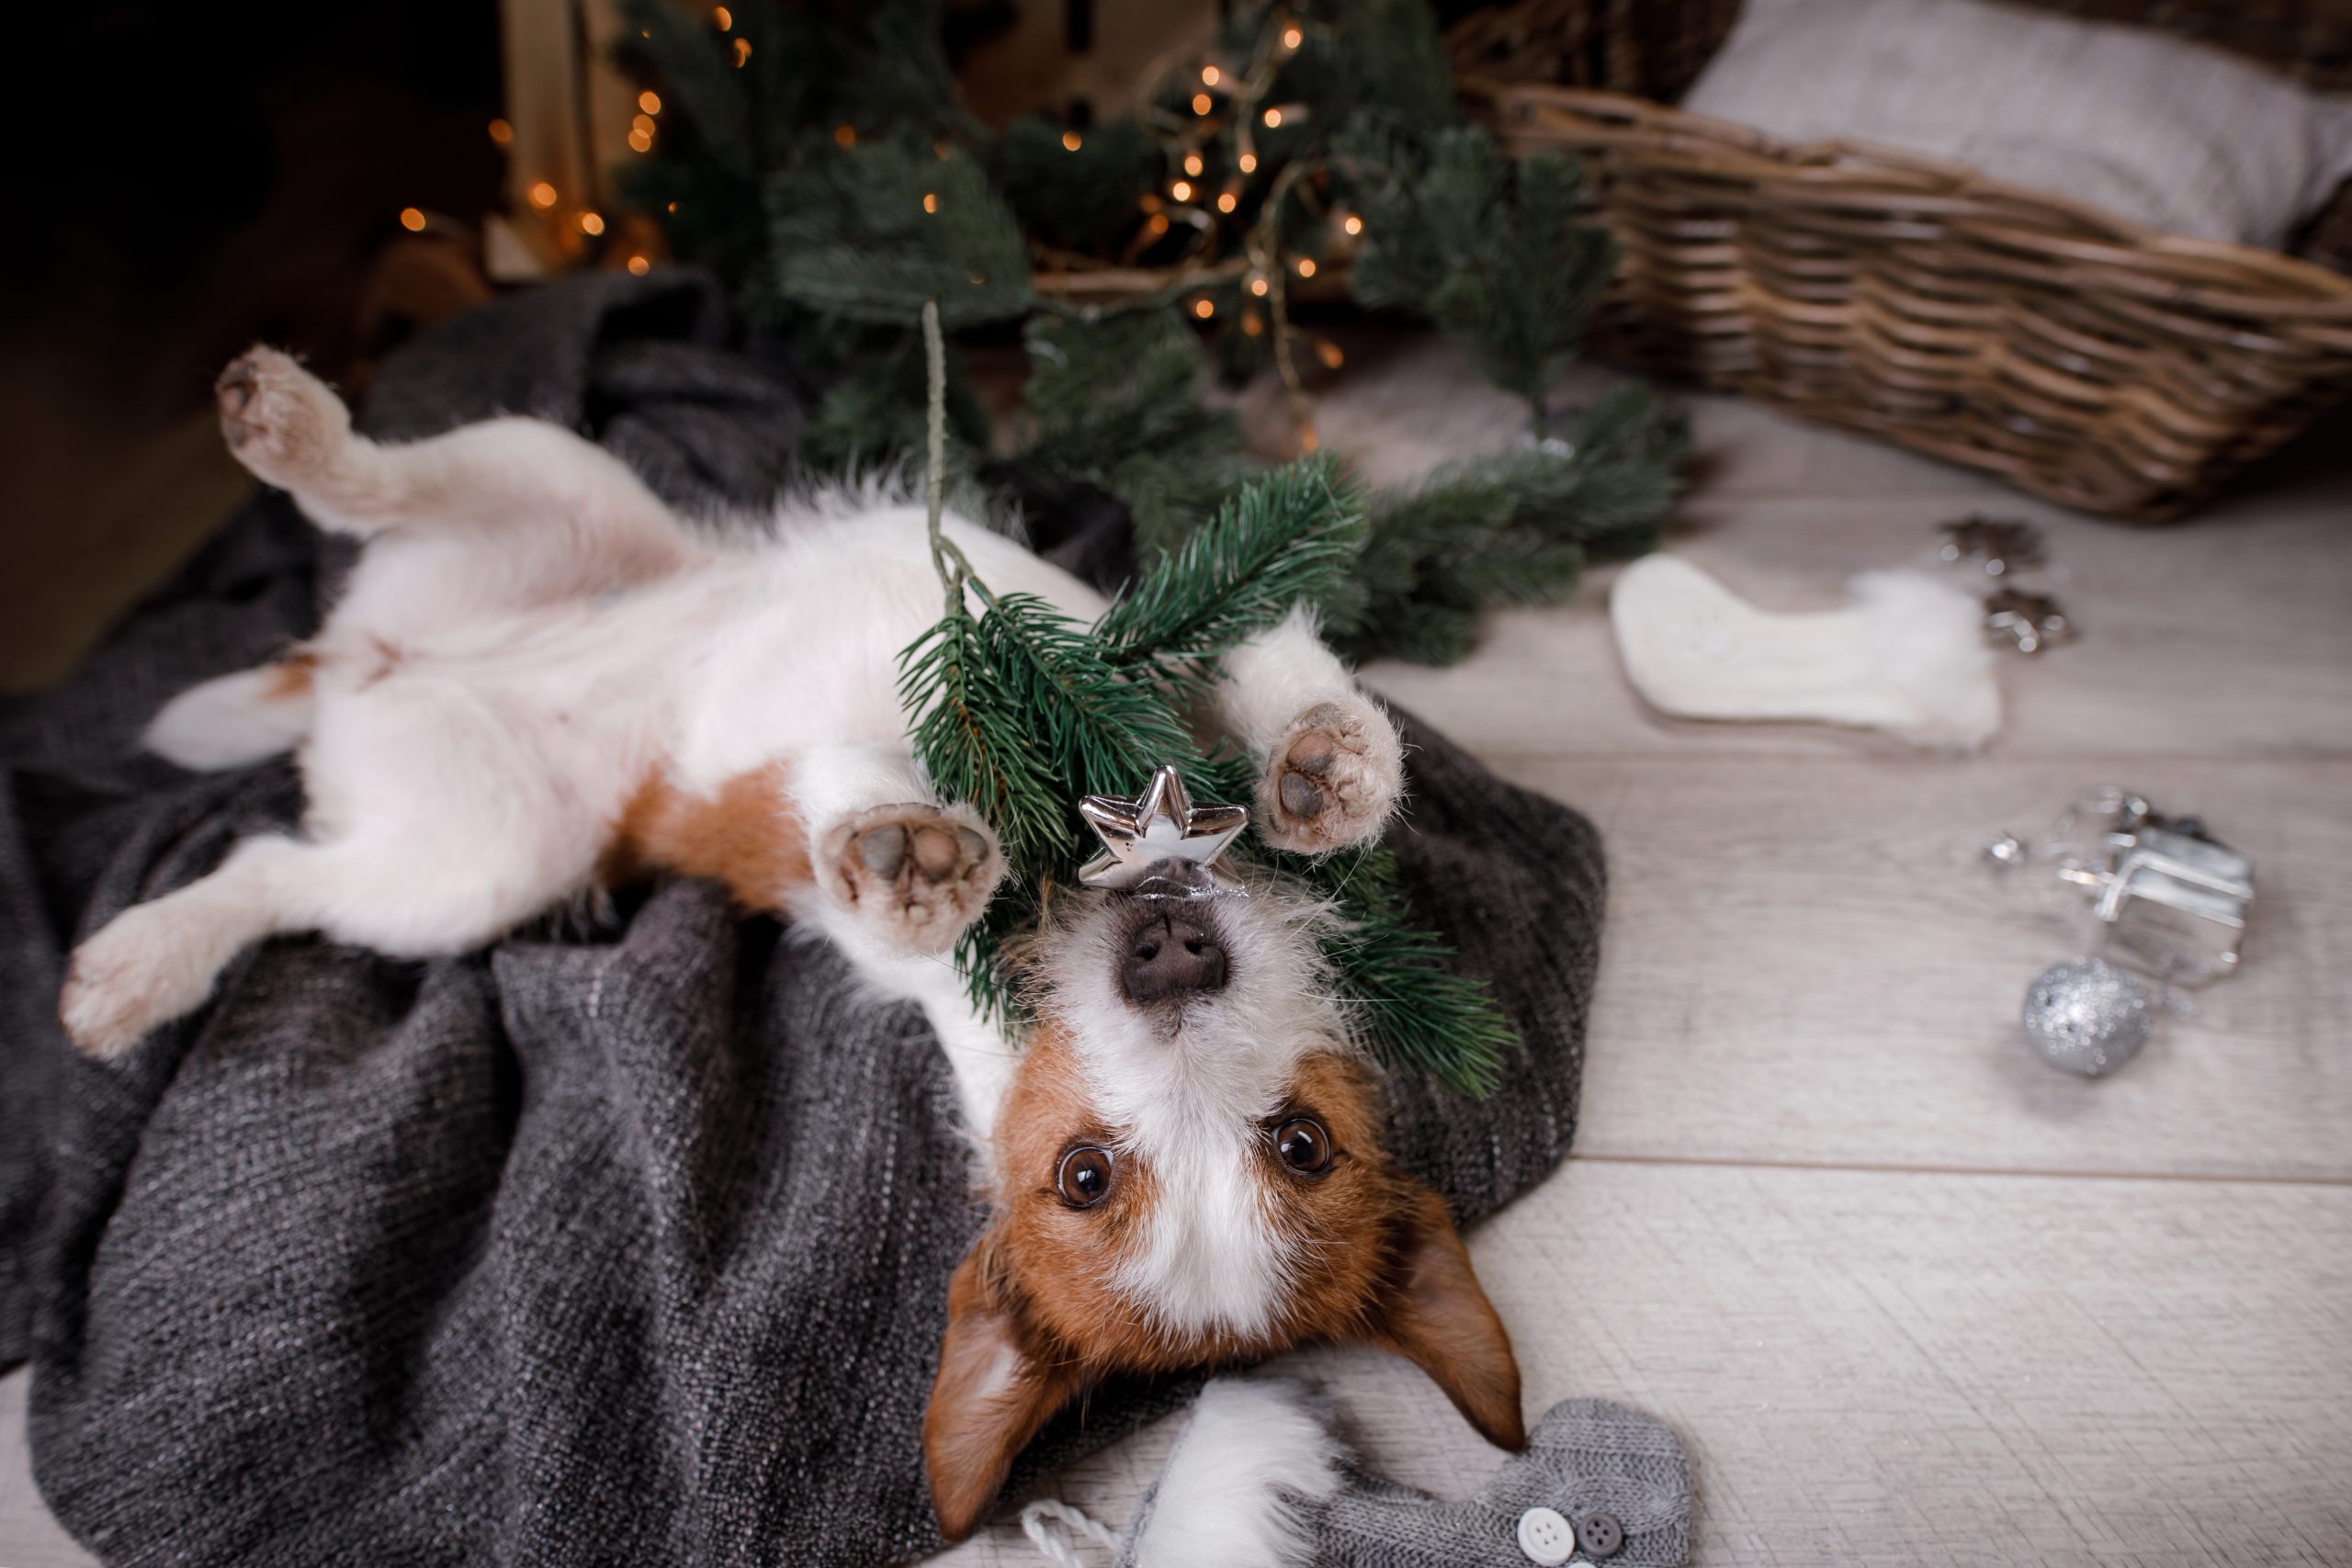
[(1303, 1144), (1083, 1177)]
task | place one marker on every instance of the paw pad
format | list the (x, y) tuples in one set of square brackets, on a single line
[(1333, 781), (915, 873)]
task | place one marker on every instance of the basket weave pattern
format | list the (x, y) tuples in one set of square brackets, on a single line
[(2082, 358)]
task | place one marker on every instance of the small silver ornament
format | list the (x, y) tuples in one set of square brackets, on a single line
[(2087, 1016), (2003, 544), (1160, 845), (2030, 622)]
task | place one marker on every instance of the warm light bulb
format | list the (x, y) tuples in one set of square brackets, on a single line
[(412, 220), (650, 102), (543, 195), (1293, 38), (1180, 191), (1352, 224), (1204, 308), (845, 136), (1329, 353), (500, 133), (1273, 119), (1258, 286), (643, 122), (1192, 164), (1227, 201), (1209, 75), (1248, 162), (1306, 266), (640, 266), (640, 141), (1307, 439), (591, 223), (1250, 325), (931, 201), (1159, 224), (723, 17), (742, 51), (1203, 103), (1072, 141)]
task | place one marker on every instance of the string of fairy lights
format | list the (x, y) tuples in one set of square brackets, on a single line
[(1206, 192), (1210, 140)]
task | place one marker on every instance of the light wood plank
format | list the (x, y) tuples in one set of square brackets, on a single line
[(1808, 960), (1922, 1370), (2233, 637)]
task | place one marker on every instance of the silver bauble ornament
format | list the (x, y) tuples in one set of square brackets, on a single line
[(2087, 1016)]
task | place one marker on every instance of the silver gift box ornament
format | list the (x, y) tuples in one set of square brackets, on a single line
[(2178, 900)]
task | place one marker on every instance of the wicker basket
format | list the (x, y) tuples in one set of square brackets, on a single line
[(2080, 358)]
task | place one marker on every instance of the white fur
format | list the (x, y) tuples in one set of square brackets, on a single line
[(1907, 655), (531, 634), (1229, 1498), (1193, 1089), (232, 722)]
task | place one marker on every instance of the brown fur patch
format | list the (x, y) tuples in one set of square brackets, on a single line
[(291, 676), (1353, 1232), (1375, 1256), (744, 835)]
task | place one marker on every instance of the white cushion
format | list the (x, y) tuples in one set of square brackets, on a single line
[(2148, 127)]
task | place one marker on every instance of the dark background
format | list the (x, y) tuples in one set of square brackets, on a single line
[(189, 179)]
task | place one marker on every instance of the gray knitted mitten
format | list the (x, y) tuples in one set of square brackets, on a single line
[(1258, 1481)]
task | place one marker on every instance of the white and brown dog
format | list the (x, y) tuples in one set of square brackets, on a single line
[(540, 680)]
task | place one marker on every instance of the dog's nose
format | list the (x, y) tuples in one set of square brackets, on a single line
[(1171, 956)]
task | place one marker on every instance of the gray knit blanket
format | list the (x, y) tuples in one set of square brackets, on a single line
[(623, 1242)]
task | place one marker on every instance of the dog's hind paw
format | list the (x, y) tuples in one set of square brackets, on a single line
[(1334, 780), (914, 875), (283, 424), (126, 981)]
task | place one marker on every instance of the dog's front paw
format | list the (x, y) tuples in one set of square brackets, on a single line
[(282, 423), (1333, 781), (915, 874), (126, 981)]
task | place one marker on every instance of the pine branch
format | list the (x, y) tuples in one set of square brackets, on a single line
[(1498, 253), (1413, 1011), (1290, 535), (1115, 401), (973, 736), (871, 231)]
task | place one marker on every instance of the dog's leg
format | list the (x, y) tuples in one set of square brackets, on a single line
[(1334, 768), (899, 873), (550, 498), (897, 877), (236, 720), (157, 961)]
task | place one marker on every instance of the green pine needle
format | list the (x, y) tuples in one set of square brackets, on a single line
[(1293, 535)]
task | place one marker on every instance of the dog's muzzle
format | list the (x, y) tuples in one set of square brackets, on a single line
[(1169, 953)]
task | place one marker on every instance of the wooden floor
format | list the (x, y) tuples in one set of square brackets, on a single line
[(1910, 1296)]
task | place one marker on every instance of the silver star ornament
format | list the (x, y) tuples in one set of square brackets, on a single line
[(1162, 846)]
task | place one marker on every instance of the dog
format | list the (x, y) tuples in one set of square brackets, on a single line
[(539, 680)]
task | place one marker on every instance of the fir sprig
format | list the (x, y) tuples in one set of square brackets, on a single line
[(1020, 710), (1294, 535), (1415, 1011), (1498, 252)]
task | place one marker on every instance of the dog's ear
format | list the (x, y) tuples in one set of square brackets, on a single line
[(1434, 1314), (989, 1399)]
